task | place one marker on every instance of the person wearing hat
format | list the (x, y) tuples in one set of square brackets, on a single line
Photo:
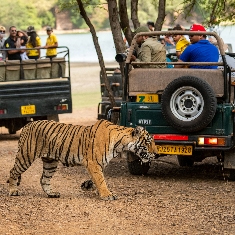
[(11, 42), (2, 40), (200, 50), (51, 43), (151, 50), (33, 42)]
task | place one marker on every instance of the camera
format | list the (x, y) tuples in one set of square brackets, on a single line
[(121, 57)]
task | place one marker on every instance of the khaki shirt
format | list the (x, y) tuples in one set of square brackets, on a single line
[(152, 51)]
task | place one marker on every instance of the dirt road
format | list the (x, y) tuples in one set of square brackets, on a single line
[(169, 200)]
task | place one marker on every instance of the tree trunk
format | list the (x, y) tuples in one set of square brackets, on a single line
[(134, 13), (117, 37), (124, 21), (115, 26), (98, 51), (161, 15)]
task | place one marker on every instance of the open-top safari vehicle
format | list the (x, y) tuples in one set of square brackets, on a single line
[(189, 112), (34, 90)]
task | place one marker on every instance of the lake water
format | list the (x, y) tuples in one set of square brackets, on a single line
[(82, 48)]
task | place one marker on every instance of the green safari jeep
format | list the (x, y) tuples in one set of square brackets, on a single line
[(189, 112)]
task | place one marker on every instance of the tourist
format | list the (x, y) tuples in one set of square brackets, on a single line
[(180, 42), (151, 50), (51, 43), (2, 40), (10, 42), (200, 50), (22, 39), (33, 42)]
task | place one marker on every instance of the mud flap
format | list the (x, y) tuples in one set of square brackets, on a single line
[(229, 159)]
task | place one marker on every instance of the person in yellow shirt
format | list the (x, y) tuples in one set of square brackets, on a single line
[(180, 42), (51, 43), (33, 42)]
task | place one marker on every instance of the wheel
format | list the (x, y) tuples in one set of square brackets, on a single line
[(188, 104), (229, 165), (229, 174), (14, 125), (136, 166), (12, 131), (54, 117), (185, 161)]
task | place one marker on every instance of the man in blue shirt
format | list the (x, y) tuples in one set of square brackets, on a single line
[(200, 50)]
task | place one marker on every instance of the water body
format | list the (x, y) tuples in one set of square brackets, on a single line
[(82, 48)]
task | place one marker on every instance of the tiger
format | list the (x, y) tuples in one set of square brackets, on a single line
[(91, 146)]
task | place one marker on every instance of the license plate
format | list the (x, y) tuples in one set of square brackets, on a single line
[(175, 149), (29, 109), (147, 98)]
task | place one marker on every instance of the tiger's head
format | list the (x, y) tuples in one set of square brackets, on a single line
[(142, 144)]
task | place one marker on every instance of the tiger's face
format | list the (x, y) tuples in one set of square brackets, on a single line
[(142, 144)]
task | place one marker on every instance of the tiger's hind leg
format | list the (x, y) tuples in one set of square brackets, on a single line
[(49, 168)]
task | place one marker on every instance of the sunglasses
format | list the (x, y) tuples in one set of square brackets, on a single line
[(190, 36), (2, 31)]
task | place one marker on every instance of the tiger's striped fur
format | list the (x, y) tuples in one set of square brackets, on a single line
[(92, 146)]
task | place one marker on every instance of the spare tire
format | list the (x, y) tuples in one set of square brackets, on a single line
[(188, 104)]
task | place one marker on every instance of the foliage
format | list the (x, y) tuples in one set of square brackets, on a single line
[(95, 9), (207, 12), (42, 13), (22, 15)]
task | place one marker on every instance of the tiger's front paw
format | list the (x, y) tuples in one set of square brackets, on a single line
[(88, 185), (54, 195), (110, 197), (14, 193)]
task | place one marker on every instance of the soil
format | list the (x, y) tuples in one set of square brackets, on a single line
[(169, 200)]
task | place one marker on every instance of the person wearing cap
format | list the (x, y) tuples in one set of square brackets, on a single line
[(151, 50), (200, 50), (2, 40), (11, 42), (51, 43), (33, 42)]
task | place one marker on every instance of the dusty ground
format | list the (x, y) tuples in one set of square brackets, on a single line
[(169, 200)]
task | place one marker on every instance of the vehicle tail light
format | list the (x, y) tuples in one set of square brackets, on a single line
[(211, 141), (170, 137), (3, 111), (61, 107)]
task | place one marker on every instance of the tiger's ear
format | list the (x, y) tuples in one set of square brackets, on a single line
[(137, 131)]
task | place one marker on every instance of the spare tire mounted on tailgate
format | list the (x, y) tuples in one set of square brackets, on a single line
[(188, 104)]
